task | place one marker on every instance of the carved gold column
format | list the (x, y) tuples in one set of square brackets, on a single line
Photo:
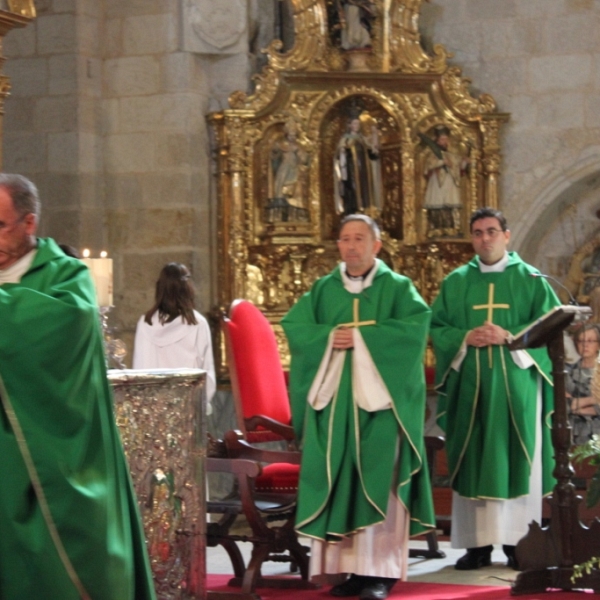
[(408, 178), (231, 167), (491, 161)]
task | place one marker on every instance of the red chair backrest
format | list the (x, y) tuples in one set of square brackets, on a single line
[(256, 370)]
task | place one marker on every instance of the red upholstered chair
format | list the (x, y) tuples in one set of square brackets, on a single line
[(263, 415)]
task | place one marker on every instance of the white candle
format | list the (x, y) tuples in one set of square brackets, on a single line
[(101, 270), (103, 278)]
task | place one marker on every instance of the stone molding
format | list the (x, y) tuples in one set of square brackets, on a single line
[(211, 27)]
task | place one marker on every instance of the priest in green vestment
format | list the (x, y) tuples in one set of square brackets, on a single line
[(357, 341), (69, 524), (494, 404)]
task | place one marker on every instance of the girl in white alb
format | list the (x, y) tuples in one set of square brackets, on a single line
[(172, 335)]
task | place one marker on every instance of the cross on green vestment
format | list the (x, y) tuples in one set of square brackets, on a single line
[(355, 315), (490, 306)]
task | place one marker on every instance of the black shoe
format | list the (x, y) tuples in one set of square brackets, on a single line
[(475, 558), (377, 588), (351, 587), (511, 556)]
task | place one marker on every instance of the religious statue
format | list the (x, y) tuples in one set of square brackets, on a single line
[(443, 170), (288, 172), (357, 171), (356, 22)]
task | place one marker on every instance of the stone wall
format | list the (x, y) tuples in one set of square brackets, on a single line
[(107, 116), (109, 99), (540, 60)]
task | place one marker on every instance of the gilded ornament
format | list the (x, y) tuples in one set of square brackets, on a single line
[(457, 88), (276, 151), (25, 8), (167, 483)]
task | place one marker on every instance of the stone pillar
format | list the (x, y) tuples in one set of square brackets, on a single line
[(107, 116), (51, 133), (155, 96)]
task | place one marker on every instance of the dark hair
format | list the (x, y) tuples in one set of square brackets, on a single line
[(174, 296), (587, 327), (69, 250), (23, 193), (371, 224), (485, 213)]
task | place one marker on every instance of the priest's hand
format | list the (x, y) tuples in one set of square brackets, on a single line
[(487, 335), (343, 339)]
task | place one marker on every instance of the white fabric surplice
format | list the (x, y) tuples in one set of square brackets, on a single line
[(175, 345)]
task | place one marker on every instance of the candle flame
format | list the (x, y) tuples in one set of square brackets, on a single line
[(86, 253), (103, 254)]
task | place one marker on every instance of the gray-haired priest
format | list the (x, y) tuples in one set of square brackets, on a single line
[(357, 341), (69, 524)]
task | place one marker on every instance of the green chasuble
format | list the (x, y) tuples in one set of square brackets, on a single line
[(488, 407), (69, 524), (352, 457)]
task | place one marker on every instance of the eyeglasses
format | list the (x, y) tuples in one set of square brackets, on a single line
[(491, 232), (587, 342)]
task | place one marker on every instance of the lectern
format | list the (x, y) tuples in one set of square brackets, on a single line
[(547, 555)]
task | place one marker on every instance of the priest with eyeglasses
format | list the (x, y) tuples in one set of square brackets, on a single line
[(494, 404)]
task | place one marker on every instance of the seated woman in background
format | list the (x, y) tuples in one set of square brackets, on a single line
[(172, 335), (584, 409)]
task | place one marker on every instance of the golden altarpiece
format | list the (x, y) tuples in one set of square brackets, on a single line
[(278, 154)]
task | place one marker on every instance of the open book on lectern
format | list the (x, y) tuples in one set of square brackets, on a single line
[(541, 331)]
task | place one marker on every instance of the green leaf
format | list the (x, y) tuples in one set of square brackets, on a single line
[(593, 494)]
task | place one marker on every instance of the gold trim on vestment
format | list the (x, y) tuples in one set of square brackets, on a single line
[(490, 315), (491, 497), (511, 410), (358, 457), (356, 318), (475, 401), (447, 372), (357, 323), (39, 492), (319, 510), (540, 371), (547, 418)]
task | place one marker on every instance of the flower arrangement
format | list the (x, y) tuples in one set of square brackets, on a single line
[(590, 452)]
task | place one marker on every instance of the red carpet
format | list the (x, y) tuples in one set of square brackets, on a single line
[(407, 591)]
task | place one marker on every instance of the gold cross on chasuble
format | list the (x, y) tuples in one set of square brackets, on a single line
[(490, 306), (355, 315)]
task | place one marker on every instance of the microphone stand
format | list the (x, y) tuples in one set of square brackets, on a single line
[(572, 300)]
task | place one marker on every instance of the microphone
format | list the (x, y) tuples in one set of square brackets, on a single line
[(572, 300)]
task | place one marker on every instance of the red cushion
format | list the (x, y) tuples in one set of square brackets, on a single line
[(258, 367), (278, 477), (430, 375)]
